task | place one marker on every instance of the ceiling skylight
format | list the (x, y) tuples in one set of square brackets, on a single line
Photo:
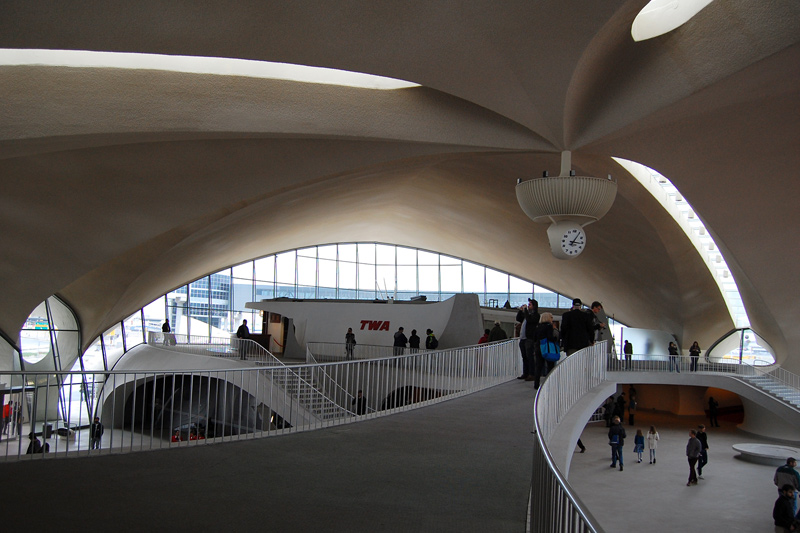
[(662, 16), (676, 205), (199, 65)]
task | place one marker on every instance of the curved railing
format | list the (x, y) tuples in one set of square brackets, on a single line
[(226, 348), (334, 351), (554, 505), (146, 410)]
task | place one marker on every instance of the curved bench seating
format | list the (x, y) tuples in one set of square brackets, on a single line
[(765, 454)]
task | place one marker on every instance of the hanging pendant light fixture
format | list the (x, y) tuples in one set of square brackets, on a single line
[(568, 202)]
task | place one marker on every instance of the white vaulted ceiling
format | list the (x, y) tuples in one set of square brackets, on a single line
[(120, 184)]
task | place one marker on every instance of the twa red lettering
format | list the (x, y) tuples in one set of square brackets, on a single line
[(375, 325)]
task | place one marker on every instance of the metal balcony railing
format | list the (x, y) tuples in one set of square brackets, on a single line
[(147, 410)]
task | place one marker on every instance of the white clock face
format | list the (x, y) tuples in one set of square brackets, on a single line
[(573, 241)]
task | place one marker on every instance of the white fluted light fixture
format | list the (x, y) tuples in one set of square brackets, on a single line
[(568, 202)]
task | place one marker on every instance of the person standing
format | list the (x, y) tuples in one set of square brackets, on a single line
[(703, 459), (693, 451), (413, 341), (497, 333), (96, 431), (694, 354), (652, 443), (638, 444), (787, 475), (633, 403), (349, 343), (712, 412), (628, 351), (400, 341), (430, 340), (7, 408), (485, 337), (577, 328), (545, 331), (782, 511), (616, 438), (243, 332), (529, 316), (166, 329), (673, 357), (360, 403), (602, 331)]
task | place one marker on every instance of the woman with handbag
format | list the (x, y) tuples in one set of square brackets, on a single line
[(546, 348)]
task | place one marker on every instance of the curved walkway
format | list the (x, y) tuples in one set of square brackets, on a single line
[(462, 465)]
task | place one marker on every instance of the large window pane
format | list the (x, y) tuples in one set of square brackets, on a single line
[(496, 282), (366, 278), (384, 275), (286, 267), (308, 252), (474, 278), (406, 256), (347, 252), (93, 357), (112, 340), (451, 278), (244, 271), (429, 279), (545, 297), (265, 268), (134, 330), (366, 253), (35, 345), (327, 252), (264, 291), (347, 276), (198, 293), (179, 297), (447, 260), (243, 292), (407, 278), (427, 258), (306, 271), (327, 273), (384, 254)]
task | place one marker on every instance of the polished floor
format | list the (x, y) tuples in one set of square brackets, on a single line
[(734, 495)]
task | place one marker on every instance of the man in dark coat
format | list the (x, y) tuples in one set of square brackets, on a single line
[(529, 316), (782, 512), (497, 333), (577, 328), (616, 437)]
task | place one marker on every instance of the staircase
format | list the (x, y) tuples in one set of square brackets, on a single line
[(301, 385), (775, 388)]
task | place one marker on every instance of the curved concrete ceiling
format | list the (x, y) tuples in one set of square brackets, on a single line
[(120, 185)]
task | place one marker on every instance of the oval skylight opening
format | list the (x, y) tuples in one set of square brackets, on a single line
[(200, 65), (662, 16)]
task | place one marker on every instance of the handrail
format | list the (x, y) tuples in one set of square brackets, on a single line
[(144, 409), (335, 351), (226, 348), (555, 507)]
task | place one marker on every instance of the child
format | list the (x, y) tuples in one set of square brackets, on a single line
[(638, 444), (652, 440)]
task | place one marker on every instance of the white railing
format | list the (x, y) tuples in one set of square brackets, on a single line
[(554, 506), (155, 410), (333, 351), (228, 348)]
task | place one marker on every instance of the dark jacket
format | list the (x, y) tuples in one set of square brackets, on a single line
[(400, 339), (782, 512), (497, 334), (243, 332), (577, 329), (532, 318), (619, 431), (703, 438), (693, 448), (413, 341)]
